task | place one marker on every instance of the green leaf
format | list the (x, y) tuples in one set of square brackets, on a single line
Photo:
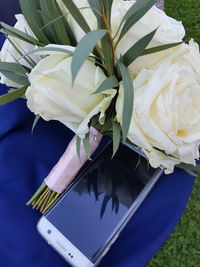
[(37, 117), (102, 9), (108, 54), (107, 128), (14, 72), (78, 146), (190, 169), (108, 83), (108, 8), (77, 15), (134, 14), (57, 28), (159, 48), (11, 31), (138, 48), (48, 27), (128, 98), (84, 48), (29, 60), (11, 90), (33, 16), (70, 32), (13, 67), (14, 77), (49, 49), (116, 137), (86, 143), (6, 98), (187, 170), (96, 8)]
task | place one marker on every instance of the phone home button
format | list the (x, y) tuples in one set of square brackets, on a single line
[(61, 246)]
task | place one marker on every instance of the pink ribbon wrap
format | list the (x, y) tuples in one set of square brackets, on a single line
[(69, 164)]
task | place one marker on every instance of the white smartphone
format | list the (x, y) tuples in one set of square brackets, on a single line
[(90, 215)]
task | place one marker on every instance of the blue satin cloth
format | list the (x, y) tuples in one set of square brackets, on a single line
[(25, 159), (8, 9)]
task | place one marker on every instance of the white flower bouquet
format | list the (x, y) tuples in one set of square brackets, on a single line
[(105, 67)]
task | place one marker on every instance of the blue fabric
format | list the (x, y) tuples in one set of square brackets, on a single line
[(25, 159), (8, 10)]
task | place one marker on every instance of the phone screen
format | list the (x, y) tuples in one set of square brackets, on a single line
[(90, 213)]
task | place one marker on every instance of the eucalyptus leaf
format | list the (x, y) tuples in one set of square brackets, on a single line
[(108, 83), (58, 30), (96, 8), (13, 67), (11, 31), (138, 48), (86, 143), (102, 10), (159, 48), (128, 98), (116, 137), (108, 54), (187, 170), (190, 169), (78, 146), (48, 27), (76, 14), (9, 97), (69, 30), (29, 60), (14, 72), (32, 14), (108, 8), (107, 128), (84, 48), (11, 90), (134, 14), (50, 49), (14, 77)]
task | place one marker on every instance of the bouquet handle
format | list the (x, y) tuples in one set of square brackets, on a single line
[(63, 173)]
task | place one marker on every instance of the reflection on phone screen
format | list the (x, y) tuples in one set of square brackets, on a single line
[(90, 213)]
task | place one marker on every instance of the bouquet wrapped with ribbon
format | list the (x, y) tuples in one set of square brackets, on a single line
[(105, 67)]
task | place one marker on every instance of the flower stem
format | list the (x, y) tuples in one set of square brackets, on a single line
[(43, 199), (50, 203), (37, 194)]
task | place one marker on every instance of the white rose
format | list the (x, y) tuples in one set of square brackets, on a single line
[(52, 96), (169, 31), (166, 113), (10, 54)]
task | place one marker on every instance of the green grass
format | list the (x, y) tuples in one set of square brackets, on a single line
[(183, 247), (187, 11)]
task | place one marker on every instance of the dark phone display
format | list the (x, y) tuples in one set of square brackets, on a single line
[(89, 214)]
